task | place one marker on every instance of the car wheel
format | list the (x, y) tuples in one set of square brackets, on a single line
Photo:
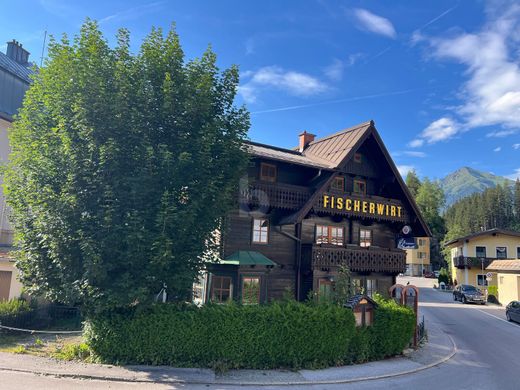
[(508, 317), (464, 300)]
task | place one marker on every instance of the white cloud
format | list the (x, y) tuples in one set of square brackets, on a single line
[(492, 91), (353, 58), (335, 70), (404, 169), (294, 83), (497, 149), (515, 175), (375, 23), (440, 130), (416, 143), (501, 133), (412, 153), (516, 146)]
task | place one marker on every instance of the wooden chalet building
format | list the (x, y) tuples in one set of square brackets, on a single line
[(305, 212)]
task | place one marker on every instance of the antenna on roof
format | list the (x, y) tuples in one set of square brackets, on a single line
[(43, 47)]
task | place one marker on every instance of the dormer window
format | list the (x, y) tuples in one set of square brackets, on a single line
[(360, 187), (268, 172), (338, 183)]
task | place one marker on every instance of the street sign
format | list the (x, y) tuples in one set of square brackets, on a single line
[(489, 275)]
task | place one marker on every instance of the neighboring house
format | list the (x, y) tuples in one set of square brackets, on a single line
[(305, 212), (418, 259), (14, 81), (489, 251)]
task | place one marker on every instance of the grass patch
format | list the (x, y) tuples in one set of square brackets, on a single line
[(66, 347)]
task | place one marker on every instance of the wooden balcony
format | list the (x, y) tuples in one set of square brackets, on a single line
[(359, 259), (463, 262), (280, 195)]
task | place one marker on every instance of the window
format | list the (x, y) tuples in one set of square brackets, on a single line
[(338, 183), (422, 255), (365, 237), (480, 251), (260, 231), (356, 286), (501, 252), (221, 288), (421, 242), (250, 290), (324, 288), (371, 287), (329, 235), (481, 280), (518, 252), (360, 187), (358, 158), (267, 172)]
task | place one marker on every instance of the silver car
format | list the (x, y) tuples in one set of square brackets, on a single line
[(467, 293)]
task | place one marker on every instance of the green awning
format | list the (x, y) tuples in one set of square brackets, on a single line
[(248, 258)]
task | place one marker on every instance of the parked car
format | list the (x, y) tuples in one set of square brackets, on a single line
[(428, 274), (467, 293), (513, 311)]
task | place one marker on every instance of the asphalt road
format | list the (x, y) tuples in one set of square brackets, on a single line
[(488, 354)]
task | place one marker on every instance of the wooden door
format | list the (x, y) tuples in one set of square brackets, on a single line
[(5, 284)]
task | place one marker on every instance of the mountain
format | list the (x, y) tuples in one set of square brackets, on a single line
[(466, 181)]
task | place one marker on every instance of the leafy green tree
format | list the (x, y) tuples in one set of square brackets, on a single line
[(412, 182), (122, 166)]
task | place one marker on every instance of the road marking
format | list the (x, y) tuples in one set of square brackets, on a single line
[(498, 318)]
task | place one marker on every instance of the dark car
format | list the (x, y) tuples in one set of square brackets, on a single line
[(513, 311), (468, 293)]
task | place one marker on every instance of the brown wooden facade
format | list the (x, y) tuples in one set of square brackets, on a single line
[(337, 201)]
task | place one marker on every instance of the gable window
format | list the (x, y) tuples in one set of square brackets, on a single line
[(221, 288), (481, 280), (365, 238), (358, 158), (501, 252), (329, 235), (360, 187), (260, 231), (268, 172), (338, 183), (480, 251), (250, 290)]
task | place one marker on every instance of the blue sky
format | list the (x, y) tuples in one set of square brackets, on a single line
[(440, 79)]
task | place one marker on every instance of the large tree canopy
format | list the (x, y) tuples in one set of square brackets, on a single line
[(121, 167)]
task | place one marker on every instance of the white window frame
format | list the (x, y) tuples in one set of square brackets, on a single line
[(481, 246), (485, 280), (496, 252)]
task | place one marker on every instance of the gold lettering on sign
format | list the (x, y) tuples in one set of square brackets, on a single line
[(362, 206)]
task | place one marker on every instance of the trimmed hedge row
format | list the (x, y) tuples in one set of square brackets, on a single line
[(278, 335)]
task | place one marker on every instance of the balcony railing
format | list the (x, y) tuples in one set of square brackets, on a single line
[(469, 262), (359, 259), (281, 195)]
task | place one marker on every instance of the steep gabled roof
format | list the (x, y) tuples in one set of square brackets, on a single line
[(333, 149), (338, 148), (281, 154), (494, 231), (15, 68)]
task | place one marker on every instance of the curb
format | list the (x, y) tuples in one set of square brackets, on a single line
[(231, 383)]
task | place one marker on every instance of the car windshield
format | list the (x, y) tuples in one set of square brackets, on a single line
[(469, 288)]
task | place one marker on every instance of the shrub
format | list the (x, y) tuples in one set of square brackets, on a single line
[(444, 276), (279, 335), (288, 334), (13, 307)]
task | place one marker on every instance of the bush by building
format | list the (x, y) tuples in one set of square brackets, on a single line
[(279, 335)]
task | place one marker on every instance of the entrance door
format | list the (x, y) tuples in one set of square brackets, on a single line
[(5, 285)]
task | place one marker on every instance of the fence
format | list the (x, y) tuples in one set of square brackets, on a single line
[(45, 317), (421, 331)]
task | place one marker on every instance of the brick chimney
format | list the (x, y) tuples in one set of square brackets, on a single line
[(305, 139), (16, 52)]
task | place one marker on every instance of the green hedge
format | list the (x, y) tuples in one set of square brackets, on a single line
[(278, 335)]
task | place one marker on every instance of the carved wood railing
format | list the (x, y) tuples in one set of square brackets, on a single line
[(469, 262), (360, 259), (279, 195)]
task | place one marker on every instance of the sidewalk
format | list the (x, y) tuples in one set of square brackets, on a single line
[(438, 350)]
